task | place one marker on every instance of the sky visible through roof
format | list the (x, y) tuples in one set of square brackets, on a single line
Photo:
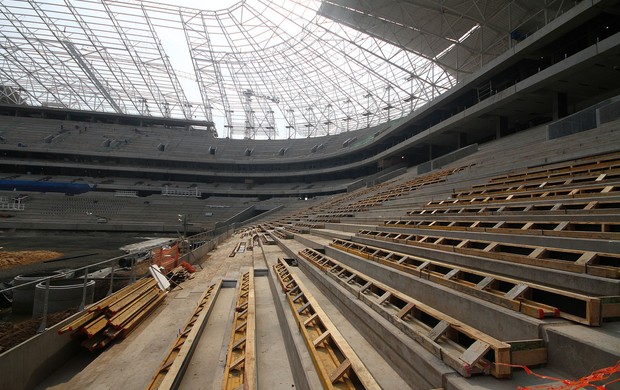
[(257, 68)]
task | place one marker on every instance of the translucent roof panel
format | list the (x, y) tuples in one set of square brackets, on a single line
[(256, 68)]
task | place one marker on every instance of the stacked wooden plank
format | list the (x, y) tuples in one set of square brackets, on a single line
[(117, 315)]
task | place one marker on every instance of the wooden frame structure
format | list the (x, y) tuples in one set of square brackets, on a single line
[(532, 299), (601, 264), (337, 364), (240, 369), (173, 366), (465, 349)]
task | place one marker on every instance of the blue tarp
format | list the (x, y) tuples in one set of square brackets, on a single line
[(44, 186)]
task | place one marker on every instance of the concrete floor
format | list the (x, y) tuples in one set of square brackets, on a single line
[(207, 365), (115, 367), (272, 366), (132, 362), (383, 373)]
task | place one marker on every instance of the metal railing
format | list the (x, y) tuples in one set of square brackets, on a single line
[(195, 242)]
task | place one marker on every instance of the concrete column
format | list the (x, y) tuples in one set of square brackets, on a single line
[(501, 127), (560, 105), (461, 140)]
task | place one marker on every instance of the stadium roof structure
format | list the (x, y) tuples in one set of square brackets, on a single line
[(259, 68)]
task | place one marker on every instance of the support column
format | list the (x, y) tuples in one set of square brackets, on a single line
[(461, 140), (501, 127), (560, 105)]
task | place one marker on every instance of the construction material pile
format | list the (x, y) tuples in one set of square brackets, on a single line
[(180, 274), (10, 259), (117, 315)]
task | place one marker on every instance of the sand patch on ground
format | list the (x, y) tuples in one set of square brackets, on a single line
[(15, 258)]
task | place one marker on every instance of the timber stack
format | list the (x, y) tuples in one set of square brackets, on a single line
[(115, 316)]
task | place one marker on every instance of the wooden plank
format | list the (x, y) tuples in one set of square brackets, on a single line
[(131, 296), (475, 352), (439, 329), (96, 326), (484, 283), (405, 310), (81, 320), (516, 291), (384, 297), (586, 258), (610, 307), (241, 348), (133, 323), (340, 371), (321, 338), (175, 362), (310, 319), (357, 368)]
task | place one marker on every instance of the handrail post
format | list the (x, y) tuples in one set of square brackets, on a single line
[(43, 324), (111, 289), (83, 304), (132, 275)]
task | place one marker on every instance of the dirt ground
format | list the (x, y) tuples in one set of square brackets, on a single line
[(77, 249), (10, 259), (11, 335), (27, 252)]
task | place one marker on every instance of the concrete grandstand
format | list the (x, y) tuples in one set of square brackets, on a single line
[(468, 240)]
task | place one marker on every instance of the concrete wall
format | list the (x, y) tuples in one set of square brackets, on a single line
[(27, 364), (198, 253), (447, 159), (421, 369), (495, 321), (609, 113)]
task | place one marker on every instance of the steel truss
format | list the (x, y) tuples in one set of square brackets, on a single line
[(261, 68)]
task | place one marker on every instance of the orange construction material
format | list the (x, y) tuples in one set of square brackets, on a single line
[(581, 383), (167, 258), (188, 267)]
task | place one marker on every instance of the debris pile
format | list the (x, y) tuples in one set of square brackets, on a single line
[(180, 274), (10, 259), (117, 315)]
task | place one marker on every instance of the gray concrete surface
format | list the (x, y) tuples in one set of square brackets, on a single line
[(206, 367)]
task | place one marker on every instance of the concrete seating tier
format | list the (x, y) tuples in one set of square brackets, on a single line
[(125, 140), (581, 261), (530, 244), (338, 365), (381, 193), (561, 228), (105, 211), (533, 299), (465, 349)]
